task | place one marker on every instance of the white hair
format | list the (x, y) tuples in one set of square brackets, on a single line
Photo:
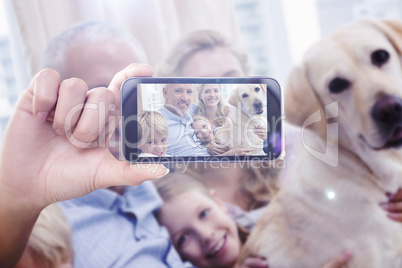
[(91, 32)]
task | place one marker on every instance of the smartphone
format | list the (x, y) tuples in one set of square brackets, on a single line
[(174, 120)]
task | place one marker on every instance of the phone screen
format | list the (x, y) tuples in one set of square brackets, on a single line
[(201, 119)]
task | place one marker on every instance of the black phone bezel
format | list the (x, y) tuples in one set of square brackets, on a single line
[(129, 95)]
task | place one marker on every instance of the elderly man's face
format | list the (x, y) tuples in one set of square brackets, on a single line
[(178, 97)]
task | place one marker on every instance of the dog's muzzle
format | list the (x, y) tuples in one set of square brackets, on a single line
[(258, 107), (387, 115)]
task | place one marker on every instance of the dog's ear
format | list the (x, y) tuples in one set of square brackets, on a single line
[(264, 88), (301, 101), (234, 98), (393, 30)]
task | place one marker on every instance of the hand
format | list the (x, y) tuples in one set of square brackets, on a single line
[(261, 132), (215, 148), (238, 151), (255, 262), (51, 153), (339, 261), (44, 162), (394, 206)]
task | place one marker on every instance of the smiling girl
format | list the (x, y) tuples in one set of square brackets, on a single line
[(204, 131), (198, 224)]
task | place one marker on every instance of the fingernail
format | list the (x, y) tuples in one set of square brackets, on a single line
[(59, 131), (166, 172), (347, 254), (42, 116), (146, 66)]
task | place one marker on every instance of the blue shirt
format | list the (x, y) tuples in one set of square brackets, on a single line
[(112, 230), (180, 140)]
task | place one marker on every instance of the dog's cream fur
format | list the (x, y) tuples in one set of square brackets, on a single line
[(238, 128), (322, 210)]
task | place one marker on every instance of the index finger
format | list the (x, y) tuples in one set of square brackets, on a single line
[(45, 89)]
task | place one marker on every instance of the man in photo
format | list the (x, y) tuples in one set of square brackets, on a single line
[(177, 111)]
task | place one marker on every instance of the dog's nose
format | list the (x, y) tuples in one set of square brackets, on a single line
[(257, 104), (387, 112)]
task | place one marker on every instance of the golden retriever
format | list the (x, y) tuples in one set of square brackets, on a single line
[(250, 102), (330, 200)]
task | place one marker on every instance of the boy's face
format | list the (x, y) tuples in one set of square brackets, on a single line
[(156, 145), (201, 230), (203, 130)]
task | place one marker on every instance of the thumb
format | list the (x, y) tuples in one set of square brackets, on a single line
[(116, 173), (132, 70)]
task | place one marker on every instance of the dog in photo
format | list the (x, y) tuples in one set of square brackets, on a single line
[(351, 79), (249, 102)]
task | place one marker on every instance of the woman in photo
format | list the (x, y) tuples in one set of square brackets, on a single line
[(210, 104)]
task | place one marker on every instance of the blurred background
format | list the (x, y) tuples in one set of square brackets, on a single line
[(275, 33)]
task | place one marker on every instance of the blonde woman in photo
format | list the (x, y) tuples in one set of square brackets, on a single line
[(210, 104)]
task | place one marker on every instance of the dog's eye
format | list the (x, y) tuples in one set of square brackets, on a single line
[(257, 89), (379, 57), (244, 95), (338, 85)]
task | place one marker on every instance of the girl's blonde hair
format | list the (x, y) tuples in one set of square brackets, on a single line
[(222, 112), (197, 117), (50, 242), (195, 42), (259, 183), (151, 121), (175, 183)]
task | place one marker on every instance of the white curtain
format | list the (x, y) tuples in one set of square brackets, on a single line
[(157, 24)]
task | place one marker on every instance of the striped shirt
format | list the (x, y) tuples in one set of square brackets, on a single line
[(112, 230), (181, 139)]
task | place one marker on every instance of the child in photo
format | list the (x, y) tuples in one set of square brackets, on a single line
[(204, 131), (152, 134)]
